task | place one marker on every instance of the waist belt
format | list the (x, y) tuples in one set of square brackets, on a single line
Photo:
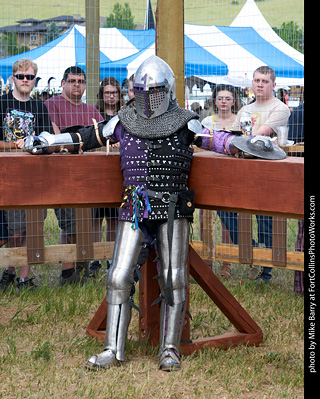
[(165, 197)]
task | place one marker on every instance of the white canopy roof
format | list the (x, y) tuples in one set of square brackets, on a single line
[(250, 15)]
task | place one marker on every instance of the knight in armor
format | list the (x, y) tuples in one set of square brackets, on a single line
[(156, 139)]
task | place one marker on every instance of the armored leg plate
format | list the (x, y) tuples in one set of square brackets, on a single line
[(179, 254), (126, 253)]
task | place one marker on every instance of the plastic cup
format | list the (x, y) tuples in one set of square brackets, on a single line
[(282, 134)]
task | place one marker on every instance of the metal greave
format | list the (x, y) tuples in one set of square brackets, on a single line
[(118, 320), (171, 325), (172, 317), (119, 282), (179, 254)]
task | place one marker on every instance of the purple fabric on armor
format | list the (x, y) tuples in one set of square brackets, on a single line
[(219, 139), (131, 154)]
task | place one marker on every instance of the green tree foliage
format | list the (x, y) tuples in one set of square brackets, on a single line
[(52, 33), (121, 17), (9, 45), (291, 33)]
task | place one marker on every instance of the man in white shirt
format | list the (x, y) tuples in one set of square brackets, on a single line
[(267, 112)]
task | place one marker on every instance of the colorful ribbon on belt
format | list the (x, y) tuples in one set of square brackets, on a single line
[(136, 196)]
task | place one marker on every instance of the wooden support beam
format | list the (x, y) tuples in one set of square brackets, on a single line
[(54, 254), (260, 256), (35, 238), (170, 40), (103, 251), (245, 238), (92, 50), (220, 295), (84, 234), (279, 242)]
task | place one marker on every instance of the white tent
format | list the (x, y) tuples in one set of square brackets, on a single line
[(215, 53), (250, 15)]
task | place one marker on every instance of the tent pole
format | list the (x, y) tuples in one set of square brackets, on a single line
[(92, 50), (170, 40)]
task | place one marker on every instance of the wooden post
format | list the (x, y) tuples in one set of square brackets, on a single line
[(170, 40), (245, 238), (35, 238), (92, 50)]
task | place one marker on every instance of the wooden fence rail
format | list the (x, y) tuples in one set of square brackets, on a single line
[(94, 180)]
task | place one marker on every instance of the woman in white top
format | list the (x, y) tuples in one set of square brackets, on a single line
[(225, 107)]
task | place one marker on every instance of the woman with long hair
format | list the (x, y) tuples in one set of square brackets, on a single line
[(225, 107), (109, 101), (110, 97)]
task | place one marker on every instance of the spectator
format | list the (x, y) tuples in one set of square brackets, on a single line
[(267, 111), (196, 107), (4, 236), (296, 133), (20, 116), (110, 100), (68, 110), (225, 107), (267, 114), (130, 87), (283, 96), (296, 124)]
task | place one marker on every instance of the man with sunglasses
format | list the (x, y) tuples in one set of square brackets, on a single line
[(67, 110), (20, 117)]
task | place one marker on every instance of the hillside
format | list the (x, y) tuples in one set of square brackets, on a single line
[(205, 12)]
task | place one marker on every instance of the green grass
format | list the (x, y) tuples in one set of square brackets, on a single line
[(44, 346), (205, 12)]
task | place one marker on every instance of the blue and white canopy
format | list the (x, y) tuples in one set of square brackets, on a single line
[(215, 53), (121, 52)]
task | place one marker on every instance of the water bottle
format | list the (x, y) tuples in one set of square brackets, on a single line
[(246, 124)]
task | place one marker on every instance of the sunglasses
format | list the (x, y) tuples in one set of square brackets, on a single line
[(22, 76)]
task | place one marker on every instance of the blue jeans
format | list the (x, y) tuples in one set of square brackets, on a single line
[(230, 220)]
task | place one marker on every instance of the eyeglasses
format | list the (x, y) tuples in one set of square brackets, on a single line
[(75, 81), (224, 98), (111, 93), (22, 76)]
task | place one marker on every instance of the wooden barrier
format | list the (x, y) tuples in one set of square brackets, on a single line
[(251, 186), (220, 182), (225, 183)]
